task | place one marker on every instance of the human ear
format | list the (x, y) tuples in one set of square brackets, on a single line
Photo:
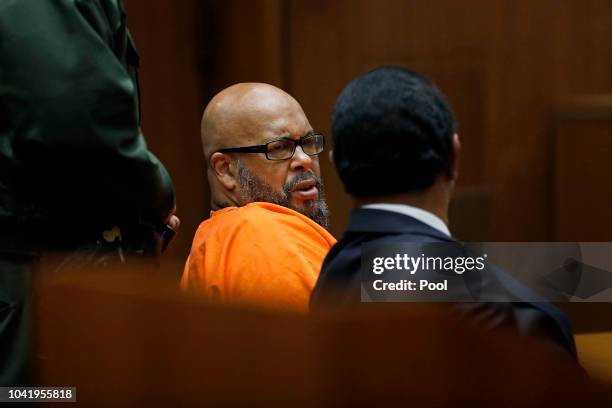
[(224, 170)]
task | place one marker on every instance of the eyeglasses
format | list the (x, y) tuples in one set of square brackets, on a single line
[(283, 148)]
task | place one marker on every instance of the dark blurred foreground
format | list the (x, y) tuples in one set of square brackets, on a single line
[(130, 339)]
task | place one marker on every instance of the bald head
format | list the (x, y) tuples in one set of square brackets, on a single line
[(241, 114), (254, 114)]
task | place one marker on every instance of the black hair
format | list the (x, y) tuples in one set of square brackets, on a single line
[(392, 132)]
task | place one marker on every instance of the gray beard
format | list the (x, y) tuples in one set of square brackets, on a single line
[(254, 189)]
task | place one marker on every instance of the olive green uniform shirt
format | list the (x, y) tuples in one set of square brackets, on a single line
[(73, 161)]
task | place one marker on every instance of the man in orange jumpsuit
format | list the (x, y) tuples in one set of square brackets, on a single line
[(265, 241)]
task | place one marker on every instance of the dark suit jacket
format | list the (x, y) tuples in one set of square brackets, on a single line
[(340, 281)]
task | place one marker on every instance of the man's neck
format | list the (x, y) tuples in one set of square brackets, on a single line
[(219, 201), (434, 199), (221, 204)]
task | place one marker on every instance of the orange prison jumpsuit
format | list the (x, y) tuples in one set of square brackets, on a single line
[(261, 254)]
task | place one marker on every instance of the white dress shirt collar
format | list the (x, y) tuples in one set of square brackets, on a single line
[(420, 214)]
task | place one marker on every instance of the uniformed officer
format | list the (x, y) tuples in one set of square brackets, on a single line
[(75, 170)]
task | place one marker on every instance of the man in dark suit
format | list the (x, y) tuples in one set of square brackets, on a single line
[(396, 151)]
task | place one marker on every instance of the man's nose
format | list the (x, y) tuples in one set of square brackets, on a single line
[(300, 160)]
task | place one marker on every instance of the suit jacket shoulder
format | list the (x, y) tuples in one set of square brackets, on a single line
[(339, 283)]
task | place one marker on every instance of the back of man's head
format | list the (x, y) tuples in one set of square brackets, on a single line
[(392, 133)]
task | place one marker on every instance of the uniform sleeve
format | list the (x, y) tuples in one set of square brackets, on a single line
[(72, 105)]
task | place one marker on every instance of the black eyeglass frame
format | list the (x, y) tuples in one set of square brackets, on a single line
[(263, 148)]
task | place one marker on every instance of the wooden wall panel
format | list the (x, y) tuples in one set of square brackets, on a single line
[(247, 41), (169, 41), (583, 170), (333, 42), (503, 64), (539, 54)]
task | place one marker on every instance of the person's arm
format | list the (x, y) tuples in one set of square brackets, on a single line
[(67, 93)]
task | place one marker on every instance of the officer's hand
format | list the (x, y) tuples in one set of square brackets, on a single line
[(168, 232), (173, 222)]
